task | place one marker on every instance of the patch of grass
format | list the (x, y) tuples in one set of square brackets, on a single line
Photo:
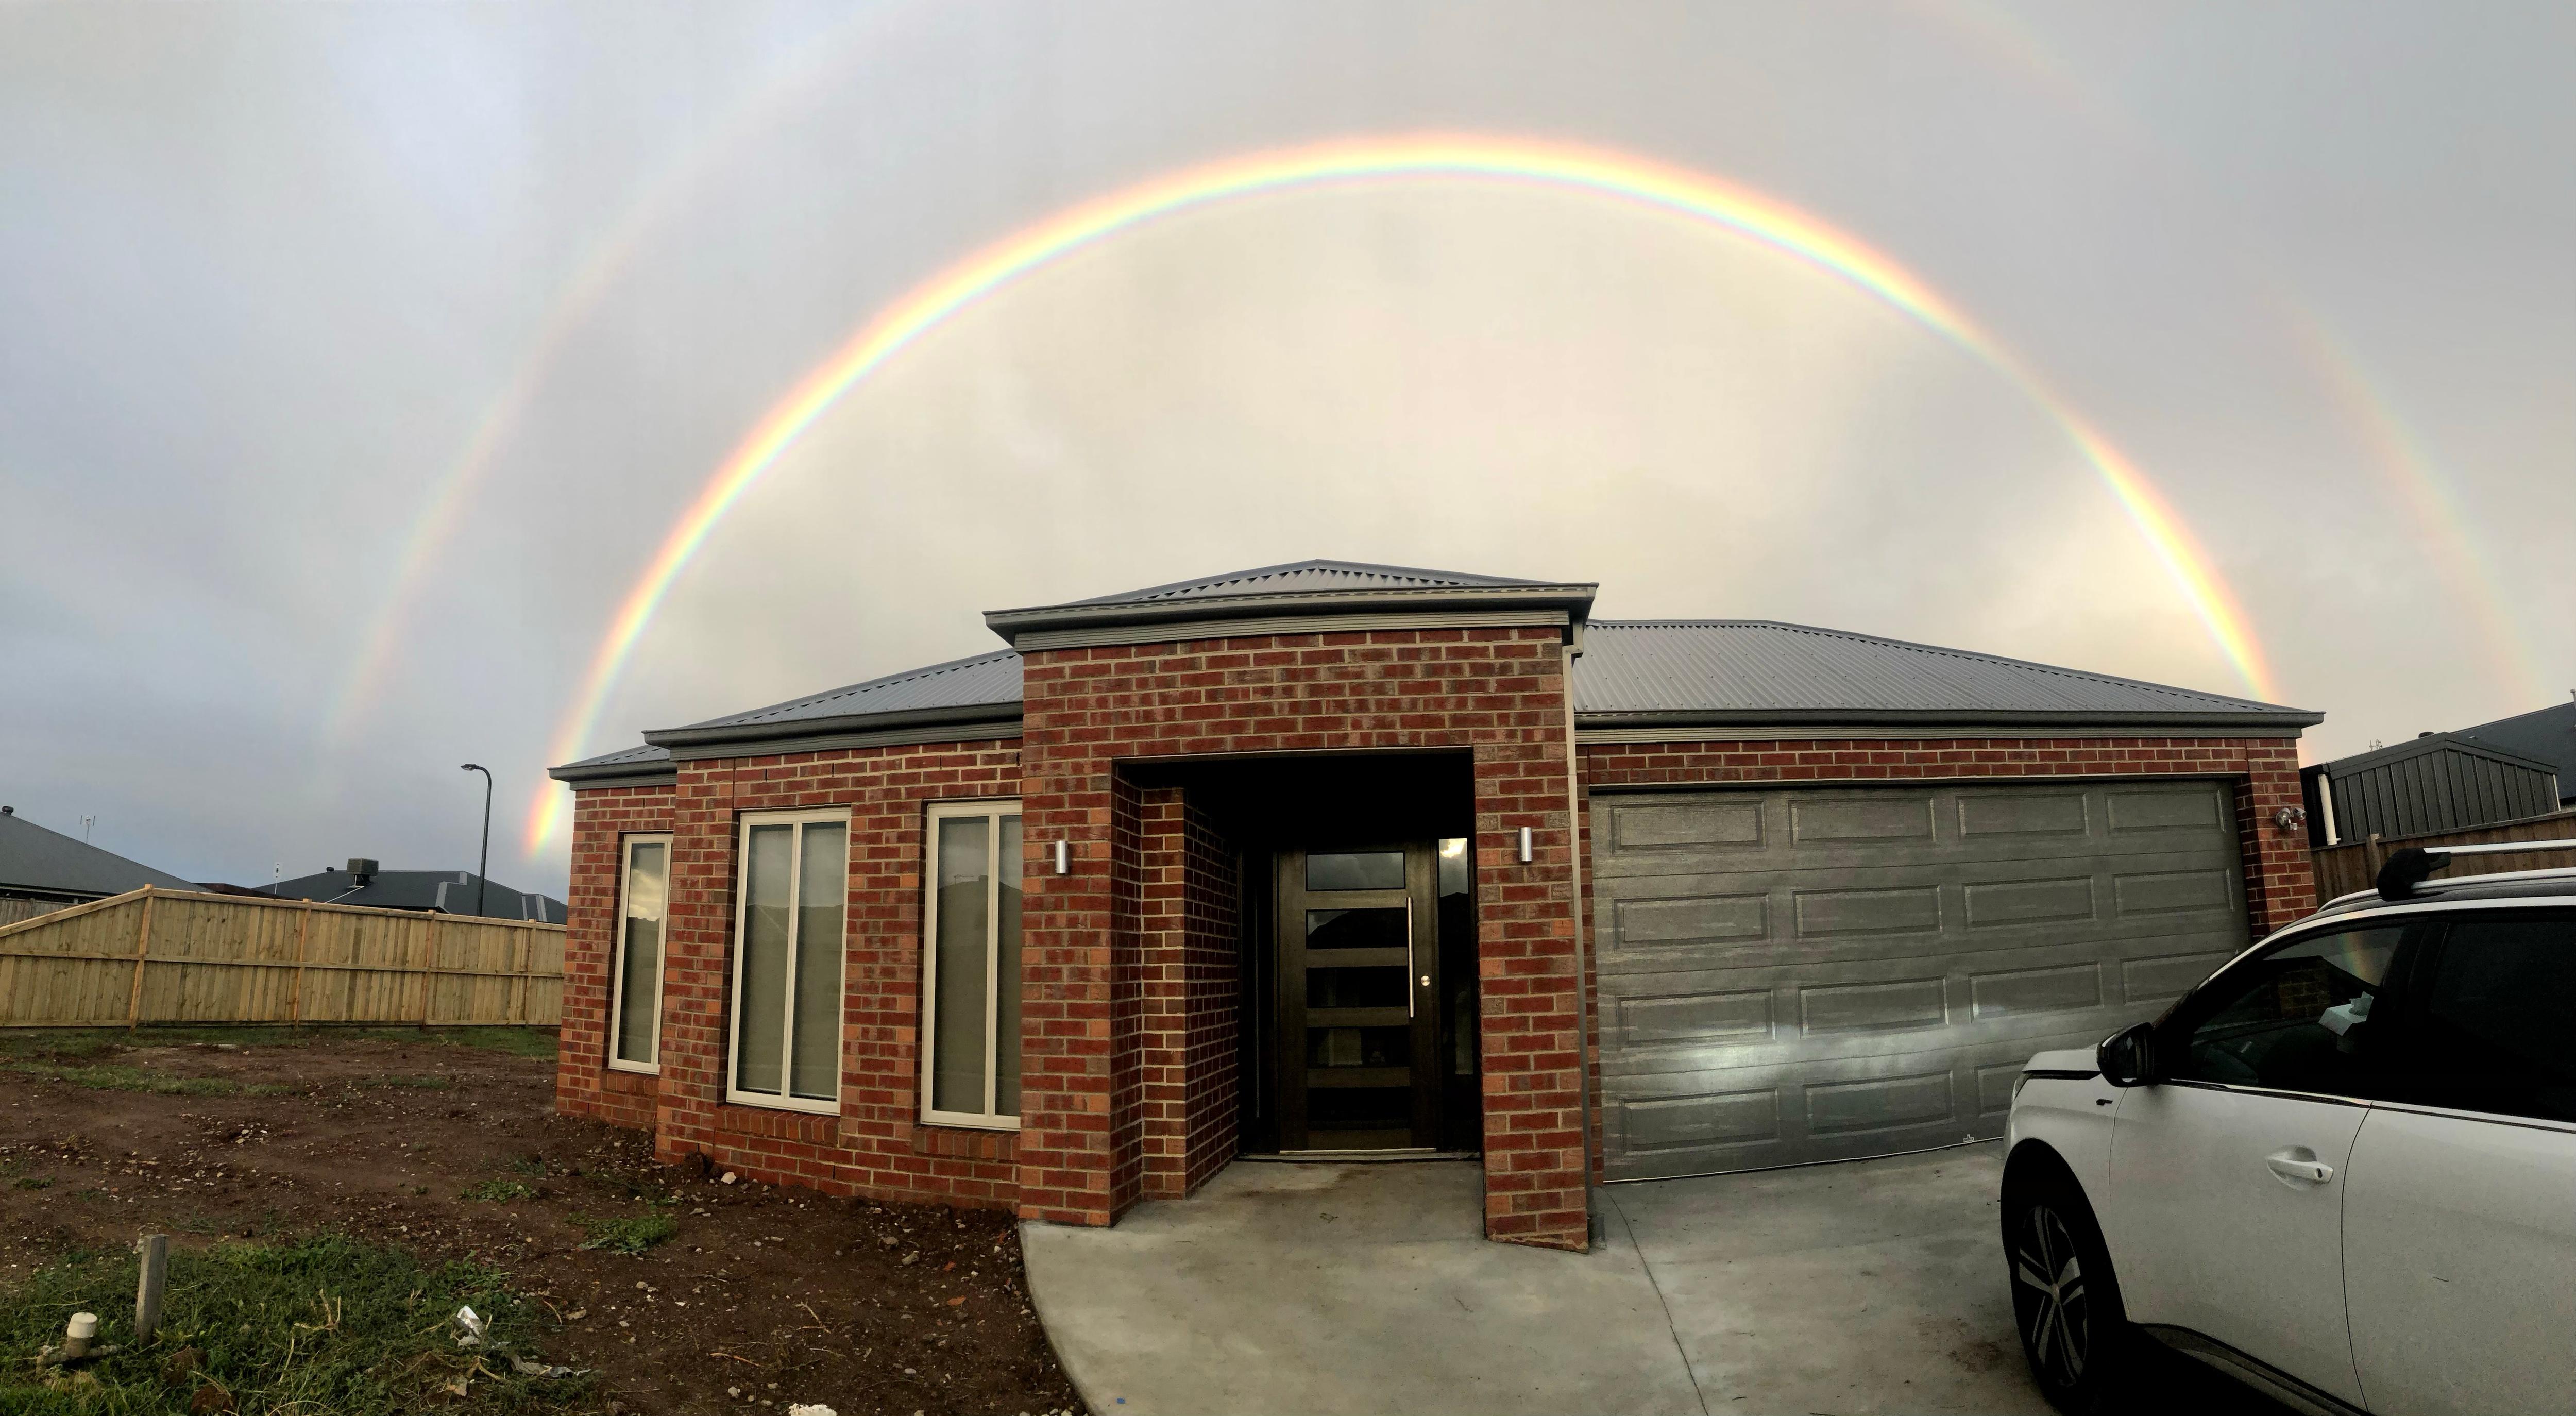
[(118, 1076), (626, 1234), (498, 1191), (34, 1182), (321, 1324), (529, 1164)]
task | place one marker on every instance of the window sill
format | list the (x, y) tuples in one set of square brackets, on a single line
[(642, 1069), (798, 1104), (950, 1121)]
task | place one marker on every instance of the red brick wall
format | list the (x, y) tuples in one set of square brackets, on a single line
[(1174, 1003), (1211, 954), (875, 1145), (2264, 771), (1497, 693), (584, 1086)]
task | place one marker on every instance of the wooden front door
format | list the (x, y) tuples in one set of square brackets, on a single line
[(1359, 999)]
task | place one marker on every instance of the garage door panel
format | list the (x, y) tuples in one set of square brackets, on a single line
[(1746, 1118), (1793, 975)]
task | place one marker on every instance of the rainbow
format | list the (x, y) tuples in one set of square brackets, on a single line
[(606, 260), (1617, 176)]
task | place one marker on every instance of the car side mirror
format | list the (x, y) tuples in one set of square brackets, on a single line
[(2127, 1057)]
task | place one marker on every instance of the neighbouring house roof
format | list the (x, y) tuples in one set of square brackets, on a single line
[(37, 861), (1642, 674), (2544, 735), (2435, 782), (1748, 672), (447, 891)]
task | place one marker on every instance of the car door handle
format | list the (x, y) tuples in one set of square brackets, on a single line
[(2300, 1164)]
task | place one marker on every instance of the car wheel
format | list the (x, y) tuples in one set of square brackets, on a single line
[(2065, 1302)]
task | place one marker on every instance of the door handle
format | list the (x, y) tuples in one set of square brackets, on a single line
[(2300, 1165)]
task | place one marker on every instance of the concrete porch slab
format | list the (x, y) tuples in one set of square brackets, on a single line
[(1346, 1288)]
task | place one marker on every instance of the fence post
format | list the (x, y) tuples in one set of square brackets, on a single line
[(429, 973), (155, 1249), (2375, 854), (519, 986), (295, 989), (142, 950)]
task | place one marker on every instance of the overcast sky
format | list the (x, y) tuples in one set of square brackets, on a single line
[(283, 285)]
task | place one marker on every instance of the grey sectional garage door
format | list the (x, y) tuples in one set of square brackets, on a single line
[(1791, 976)]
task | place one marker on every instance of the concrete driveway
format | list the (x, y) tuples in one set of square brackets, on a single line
[(1868, 1286)]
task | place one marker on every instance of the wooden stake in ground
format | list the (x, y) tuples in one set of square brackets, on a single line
[(155, 1249)]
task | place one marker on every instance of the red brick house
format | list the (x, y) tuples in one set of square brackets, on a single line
[(1345, 860)]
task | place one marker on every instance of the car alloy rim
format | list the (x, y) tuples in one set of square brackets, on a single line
[(2055, 1311)]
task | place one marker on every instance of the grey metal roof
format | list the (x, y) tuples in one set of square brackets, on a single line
[(1305, 577), (447, 891), (1309, 587), (1639, 673), (2545, 735), (1645, 672), (626, 767), (2427, 744), (38, 861)]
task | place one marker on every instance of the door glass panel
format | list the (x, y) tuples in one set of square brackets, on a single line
[(1356, 870), (2493, 1034), (822, 887), (1355, 929), (1327, 1048), (965, 881), (2297, 1018), (762, 1030), (1456, 864), (1006, 965), (645, 876), (1355, 988)]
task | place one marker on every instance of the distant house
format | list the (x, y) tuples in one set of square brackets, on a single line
[(42, 871), (2544, 735), (2506, 770), (445, 892)]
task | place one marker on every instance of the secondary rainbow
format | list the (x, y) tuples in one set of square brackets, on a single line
[(1616, 176)]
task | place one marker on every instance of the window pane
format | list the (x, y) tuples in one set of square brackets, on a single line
[(2494, 1030), (1356, 988), (2297, 1019), (822, 886), (1360, 870), (646, 871), (760, 1031), (964, 878), (1006, 1006)]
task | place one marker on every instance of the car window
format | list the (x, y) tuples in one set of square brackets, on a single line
[(2494, 1027), (2297, 1018)]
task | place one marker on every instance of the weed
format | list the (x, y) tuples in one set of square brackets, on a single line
[(35, 1182), (530, 1164), (498, 1191), (118, 1076), (321, 1324), (415, 1083), (627, 1234)]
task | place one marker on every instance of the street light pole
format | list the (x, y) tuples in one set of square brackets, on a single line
[(485, 863)]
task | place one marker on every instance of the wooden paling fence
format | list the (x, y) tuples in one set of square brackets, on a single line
[(154, 956), (2354, 865), (13, 909)]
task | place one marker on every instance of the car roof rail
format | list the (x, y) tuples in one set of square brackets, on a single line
[(2403, 876)]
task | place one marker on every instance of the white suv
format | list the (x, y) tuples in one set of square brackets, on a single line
[(2343, 1168)]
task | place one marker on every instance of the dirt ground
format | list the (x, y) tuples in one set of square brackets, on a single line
[(763, 1298)]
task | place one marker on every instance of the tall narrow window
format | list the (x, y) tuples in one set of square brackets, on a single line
[(971, 966), (635, 973), (787, 960)]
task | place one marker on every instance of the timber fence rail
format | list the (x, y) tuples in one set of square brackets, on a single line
[(2354, 865), (170, 957)]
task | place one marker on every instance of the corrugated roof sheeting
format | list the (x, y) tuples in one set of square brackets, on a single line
[(1300, 576), (960, 683), (1751, 666)]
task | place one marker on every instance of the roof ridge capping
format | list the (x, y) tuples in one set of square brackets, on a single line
[(1305, 590)]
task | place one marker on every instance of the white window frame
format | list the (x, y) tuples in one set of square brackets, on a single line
[(785, 1099), (617, 953), (995, 808)]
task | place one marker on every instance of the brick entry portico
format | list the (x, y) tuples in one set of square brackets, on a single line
[(1097, 1143)]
